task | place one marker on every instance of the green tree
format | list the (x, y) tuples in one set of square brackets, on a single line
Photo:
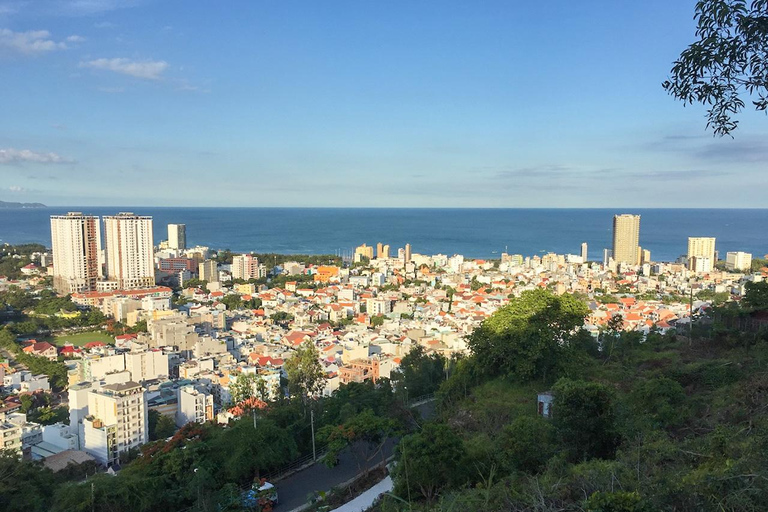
[(727, 62), (618, 501), (25, 486), (526, 444), (525, 337), (306, 377), (756, 296), (428, 461), (378, 320), (282, 318), (585, 419), (419, 374), (364, 433), (242, 388)]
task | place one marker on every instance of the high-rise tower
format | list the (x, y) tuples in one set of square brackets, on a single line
[(129, 250), (177, 236), (626, 239), (76, 241)]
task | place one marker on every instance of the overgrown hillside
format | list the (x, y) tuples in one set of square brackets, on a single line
[(665, 424)]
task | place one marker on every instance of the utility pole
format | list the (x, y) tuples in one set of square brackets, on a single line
[(312, 423)]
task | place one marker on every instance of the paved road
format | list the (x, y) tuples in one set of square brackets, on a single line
[(295, 489)]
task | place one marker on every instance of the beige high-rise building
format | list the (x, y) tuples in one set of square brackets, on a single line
[(245, 266), (177, 236), (385, 252), (584, 252), (76, 242), (701, 253), (129, 250), (407, 253), (117, 421), (209, 271), (379, 250), (626, 239), (363, 251)]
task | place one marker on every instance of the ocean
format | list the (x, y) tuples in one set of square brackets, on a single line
[(475, 233)]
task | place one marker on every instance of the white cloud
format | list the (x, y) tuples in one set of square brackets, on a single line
[(30, 42), (17, 156), (75, 39), (148, 69), (15, 188)]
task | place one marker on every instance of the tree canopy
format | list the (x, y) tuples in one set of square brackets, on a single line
[(525, 337), (728, 61)]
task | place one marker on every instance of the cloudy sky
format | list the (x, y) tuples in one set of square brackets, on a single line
[(360, 103)]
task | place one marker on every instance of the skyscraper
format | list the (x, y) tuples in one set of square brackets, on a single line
[(626, 239), (584, 252), (129, 250), (76, 241), (177, 236), (385, 252), (407, 253), (379, 250), (701, 253)]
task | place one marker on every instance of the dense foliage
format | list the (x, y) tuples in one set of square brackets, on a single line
[(728, 62), (640, 425)]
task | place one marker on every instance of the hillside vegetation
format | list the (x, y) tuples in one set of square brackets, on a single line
[(669, 423)]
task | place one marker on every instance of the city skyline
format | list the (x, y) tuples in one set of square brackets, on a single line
[(260, 104)]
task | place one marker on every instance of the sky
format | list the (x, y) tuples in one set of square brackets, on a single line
[(360, 103)]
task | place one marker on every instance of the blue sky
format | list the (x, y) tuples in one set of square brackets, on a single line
[(360, 103)]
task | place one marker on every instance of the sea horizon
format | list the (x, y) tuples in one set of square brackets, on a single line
[(473, 232)]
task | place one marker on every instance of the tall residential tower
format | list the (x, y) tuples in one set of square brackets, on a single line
[(129, 250), (76, 241), (626, 239), (701, 253), (177, 236)]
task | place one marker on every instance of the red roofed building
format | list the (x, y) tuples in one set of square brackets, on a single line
[(42, 349)]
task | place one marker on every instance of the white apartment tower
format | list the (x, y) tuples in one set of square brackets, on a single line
[(76, 241), (195, 405), (626, 239), (736, 261), (245, 266), (129, 251), (584, 252), (701, 253), (177, 236), (117, 421)]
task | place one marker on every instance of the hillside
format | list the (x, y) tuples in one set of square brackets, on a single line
[(7, 204)]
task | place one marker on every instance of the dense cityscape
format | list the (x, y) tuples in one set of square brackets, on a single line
[(188, 335), (383, 256)]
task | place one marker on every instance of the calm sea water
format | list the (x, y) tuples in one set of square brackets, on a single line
[(477, 233)]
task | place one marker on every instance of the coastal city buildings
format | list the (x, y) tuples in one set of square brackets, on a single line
[(209, 271), (363, 251), (116, 421), (701, 254), (626, 239), (192, 342), (177, 236), (738, 261), (75, 241), (129, 251), (245, 266)]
